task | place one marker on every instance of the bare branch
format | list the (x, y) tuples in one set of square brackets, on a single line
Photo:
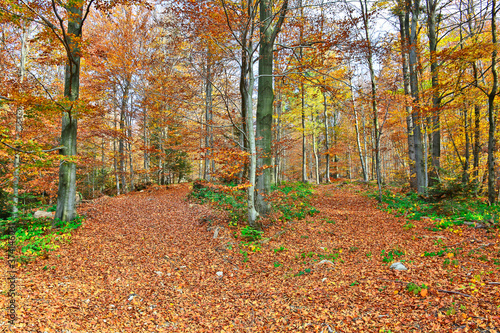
[(32, 151)]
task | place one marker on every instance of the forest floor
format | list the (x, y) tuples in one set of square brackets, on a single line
[(148, 262)]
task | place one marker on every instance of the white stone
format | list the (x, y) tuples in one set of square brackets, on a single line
[(398, 266), (325, 262), (43, 214), (219, 274)]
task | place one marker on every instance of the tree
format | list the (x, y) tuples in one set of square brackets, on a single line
[(268, 33)]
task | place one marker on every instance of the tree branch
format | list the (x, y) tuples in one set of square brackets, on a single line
[(31, 151)]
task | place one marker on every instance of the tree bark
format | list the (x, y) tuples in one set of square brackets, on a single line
[(67, 169), (492, 109), (268, 33), (327, 143), (373, 85), (123, 133), (19, 124), (413, 66), (436, 100), (208, 120)]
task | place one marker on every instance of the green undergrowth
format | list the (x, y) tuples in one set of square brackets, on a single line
[(445, 213), (34, 237), (291, 200)]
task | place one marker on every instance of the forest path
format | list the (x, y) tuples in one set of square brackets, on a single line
[(143, 262)]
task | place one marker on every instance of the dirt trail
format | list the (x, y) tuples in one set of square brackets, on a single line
[(143, 262)]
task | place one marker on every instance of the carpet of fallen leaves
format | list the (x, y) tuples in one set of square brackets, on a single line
[(148, 262)]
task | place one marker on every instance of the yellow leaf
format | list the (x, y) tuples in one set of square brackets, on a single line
[(423, 292)]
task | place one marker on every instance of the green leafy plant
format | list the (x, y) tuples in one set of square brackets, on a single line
[(250, 233), (414, 288), (245, 255), (388, 256), (408, 226), (457, 208), (293, 200), (280, 249), (35, 236), (304, 272)]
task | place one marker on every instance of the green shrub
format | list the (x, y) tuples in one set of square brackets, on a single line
[(250, 233), (36, 237), (446, 213)]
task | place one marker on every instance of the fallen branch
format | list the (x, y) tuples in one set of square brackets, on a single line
[(276, 235), (494, 283), (453, 292)]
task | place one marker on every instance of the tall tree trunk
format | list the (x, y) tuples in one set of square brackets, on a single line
[(315, 149), (436, 99), (19, 123), (364, 12), (362, 158), (123, 134), (327, 143), (477, 143), (465, 174), (304, 143), (247, 82), (146, 147), (268, 33), (476, 146), (67, 168), (208, 119), (403, 29), (130, 157), (492, 109), (413, 65), (277, 153), (264, 113)]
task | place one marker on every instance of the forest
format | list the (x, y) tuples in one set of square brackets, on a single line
[(249, 166)]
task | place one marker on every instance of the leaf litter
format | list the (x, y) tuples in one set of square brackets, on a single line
[(146, 262)]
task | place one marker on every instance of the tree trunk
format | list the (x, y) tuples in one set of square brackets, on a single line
[(364, 12), (492, 110), (146, 147), (277, 153), (465, 174), (19, 124), (264, 114), (315, 150), (123, 134), (327, 144), (436, 100), (130, 157), (67, 168), (268, 33), (404, 29), (115, 161), (208, 120), (413, 65)]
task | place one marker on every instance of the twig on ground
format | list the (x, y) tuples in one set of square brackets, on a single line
[(453, 292)]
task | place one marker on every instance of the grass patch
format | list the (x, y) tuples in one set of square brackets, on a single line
[(445, 213), (35, 236), (292, 200)]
